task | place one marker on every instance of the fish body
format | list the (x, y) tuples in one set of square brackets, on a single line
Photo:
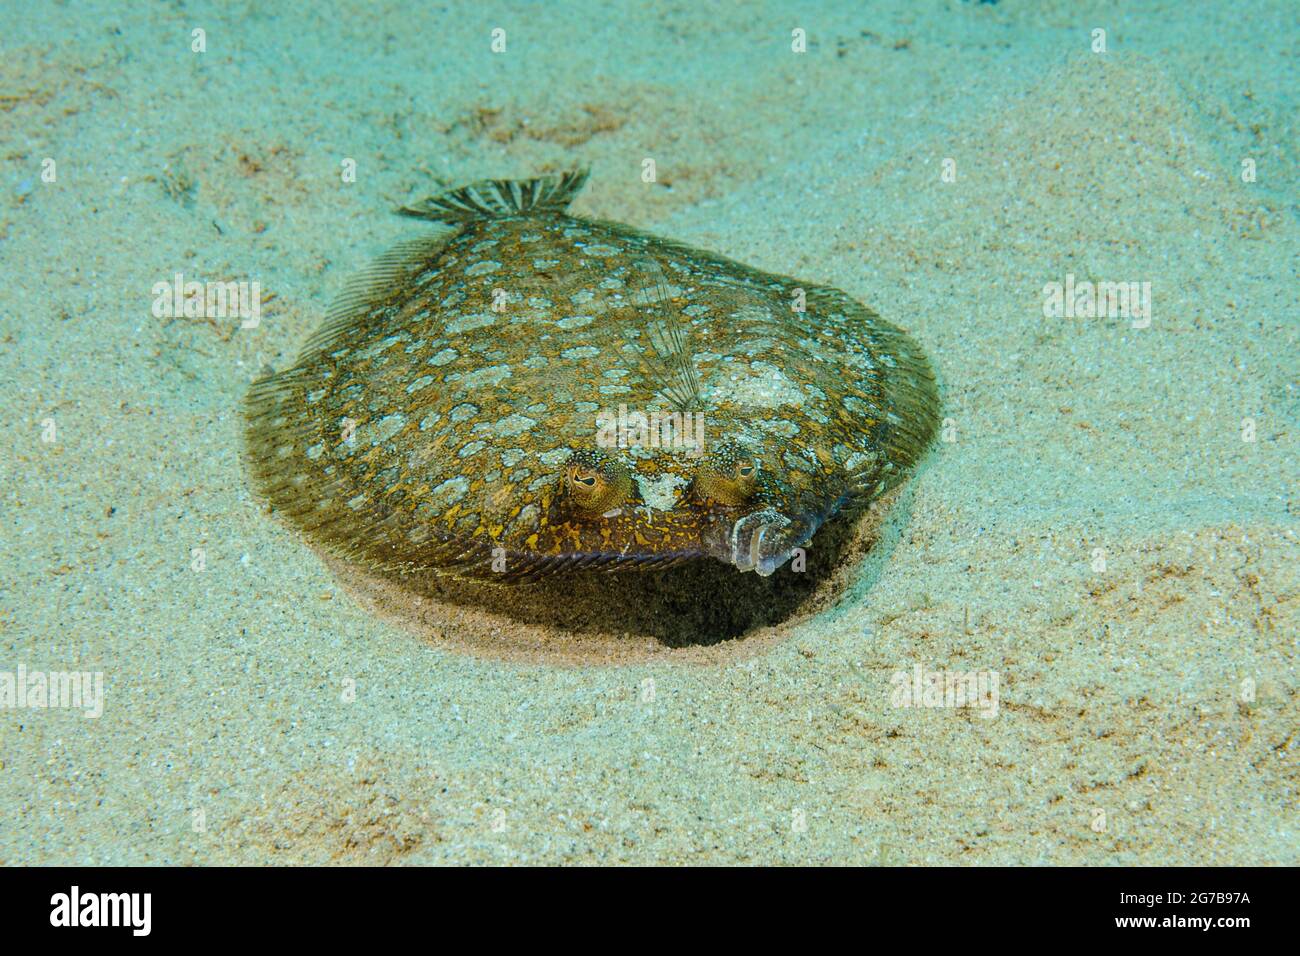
[(525, 392)]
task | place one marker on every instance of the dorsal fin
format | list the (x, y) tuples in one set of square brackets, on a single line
[(484, 199), (491, 198), (372, 287)]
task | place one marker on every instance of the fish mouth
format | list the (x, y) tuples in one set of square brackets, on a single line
[(759, 542)]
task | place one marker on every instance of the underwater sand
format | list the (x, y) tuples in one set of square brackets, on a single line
[(1094, 528)]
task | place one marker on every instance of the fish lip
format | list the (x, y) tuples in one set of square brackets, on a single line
[(756, 542)]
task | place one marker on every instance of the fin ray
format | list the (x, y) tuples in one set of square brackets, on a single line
[(493, 198), (665, 360), (371, 289)]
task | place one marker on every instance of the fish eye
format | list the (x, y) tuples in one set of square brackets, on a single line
[(595, 484), (729, 479)]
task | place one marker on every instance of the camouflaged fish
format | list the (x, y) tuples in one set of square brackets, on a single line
[(528, 392)]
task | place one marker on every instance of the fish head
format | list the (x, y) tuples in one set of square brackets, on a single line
[(755, 518), (721, 503)]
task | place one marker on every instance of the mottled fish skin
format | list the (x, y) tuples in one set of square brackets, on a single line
[(445, 417)]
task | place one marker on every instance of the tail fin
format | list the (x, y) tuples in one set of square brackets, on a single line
[(490, 198)]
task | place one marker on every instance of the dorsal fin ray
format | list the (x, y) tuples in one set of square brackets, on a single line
[(493, 198), (371, 289), (488, 198)]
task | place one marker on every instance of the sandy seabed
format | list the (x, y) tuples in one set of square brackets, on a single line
[(1108, 525)]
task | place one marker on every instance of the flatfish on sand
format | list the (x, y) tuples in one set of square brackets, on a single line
[(524, 393)]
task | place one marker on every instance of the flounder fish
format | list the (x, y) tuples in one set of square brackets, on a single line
[(526, 392)]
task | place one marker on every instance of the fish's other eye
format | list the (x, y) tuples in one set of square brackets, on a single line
[(729, 479), (595, 484)]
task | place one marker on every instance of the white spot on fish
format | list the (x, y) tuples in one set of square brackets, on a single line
[(758, 385), (486, 376), (658, 492), (387, 427), (448, 493), (510, 425), (475, 320), (526, 520)]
